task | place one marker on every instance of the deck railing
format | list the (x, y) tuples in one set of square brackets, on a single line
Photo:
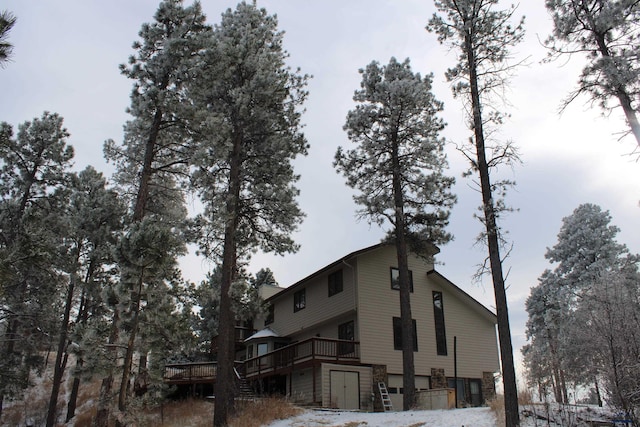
[(187, 373), (308, 351)]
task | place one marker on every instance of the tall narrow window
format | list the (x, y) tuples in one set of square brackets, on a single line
[(335, 283), (346, 332), (397, 334), (270, 315), (438, 316), (299, 300), (395, 279)]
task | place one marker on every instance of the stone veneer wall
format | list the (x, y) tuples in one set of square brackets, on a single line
[(379, 375), (438, 379), (488, 386)]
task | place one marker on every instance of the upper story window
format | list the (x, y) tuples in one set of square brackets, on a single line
[(395, 279), (346, 331), (438, 316), (299, 300), (397, 334), (270, 315), (335, 283)]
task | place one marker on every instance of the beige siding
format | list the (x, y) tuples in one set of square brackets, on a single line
[(302, 386), (329, 329), (378, 304), (320, 308), (477, 348)]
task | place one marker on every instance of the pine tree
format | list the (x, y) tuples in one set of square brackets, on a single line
[(91, 220), (245, 300), (398, 169), (243, 165), (549, 318), (153, 159), (589, 314), (482, 38), (33, 177), (606, 32), (7, 21)]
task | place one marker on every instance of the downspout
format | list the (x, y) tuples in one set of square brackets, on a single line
[(455, 367)]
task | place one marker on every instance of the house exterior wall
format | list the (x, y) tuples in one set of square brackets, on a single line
[(368, 300), (301, 390), (319, 310), (378, 304)]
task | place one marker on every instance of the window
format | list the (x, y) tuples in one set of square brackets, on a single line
[(299, 300), (346, 332), (438, 316), (397, 334), (475, 390), (249, 351), (395, 279), (263, 348), (335, 283), (271, 312)]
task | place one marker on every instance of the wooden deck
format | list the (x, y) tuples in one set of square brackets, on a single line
[(308, 353), (190, 373)]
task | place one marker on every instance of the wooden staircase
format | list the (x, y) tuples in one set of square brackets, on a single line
[(245, 391)]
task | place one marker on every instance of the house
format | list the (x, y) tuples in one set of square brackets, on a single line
[(330, 338)]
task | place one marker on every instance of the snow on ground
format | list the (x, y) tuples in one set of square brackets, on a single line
[(470, 417)]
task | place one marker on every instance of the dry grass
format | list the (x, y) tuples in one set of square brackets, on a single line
[(31, 409), (263, 412), (497, 406), (199, 413), (525, 397), (85, 418), (192, 412)]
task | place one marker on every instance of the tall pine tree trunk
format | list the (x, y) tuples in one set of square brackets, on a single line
[(512, 416), (225, 379), (408, 365), (58, 369), (10, 337), (83, 314), (73, 396), (104, 400), (128, 359), (139, 213)]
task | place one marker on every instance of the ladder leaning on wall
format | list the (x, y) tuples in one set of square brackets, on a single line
[(384, 395)]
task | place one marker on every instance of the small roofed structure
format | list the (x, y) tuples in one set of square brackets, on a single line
[(263, 333)]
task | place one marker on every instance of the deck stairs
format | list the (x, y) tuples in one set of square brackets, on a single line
[(384, 395), (245, 391)]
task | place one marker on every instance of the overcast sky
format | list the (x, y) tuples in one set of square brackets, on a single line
[(66, 61)]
